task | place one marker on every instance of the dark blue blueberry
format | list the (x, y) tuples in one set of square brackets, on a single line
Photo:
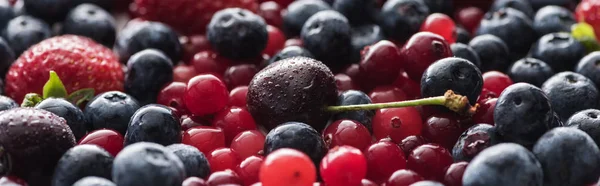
[(148, 71), (492, 51), (440, 6), (427, 183), (91, 21), (7, 103), (530, 70), (568, 157), (588, 121), (297, 136), (154, 123), (147, 164), (466, 52), (589, 66), (504, 164), (7, 57), (355, 97), (570, 92), (462, 35), (538, 4), (552, 19), (82, 161), (298, 12), (559, 50), (328, 36), (7, 12), (194, 161), (50, 11), (473, 141), (400, 19), (110, 110), (506, 24), (25, 31), (365, 35), (523, 113), (456, 74), (72, 114), (136, 37), (288, 52), (358, 12), (520, 5), (237, 33), (105, 4), (94, 181)]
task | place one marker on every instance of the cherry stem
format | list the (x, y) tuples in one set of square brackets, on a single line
[(450, 100)]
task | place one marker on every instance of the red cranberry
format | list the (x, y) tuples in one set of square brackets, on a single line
[(293, 42), (194, 181), (223, 177), (485, 95), (192, 45), (353, 71), (388, 93), (442, 129), (287, 167), (347, 132), (342, 166), (172, 96), (470, 18), (239, 75), (430, 161), (237, 96), (233, 121), (485, 112), (248, 143), (188, 123), (12, 181), (496, 81), (109, 140), (403, 178), (205, 138), (183, 73), (381, 62), (276, 41), (209, 62), (409, 86), (344, 82), (440, 24), (383, 159), (205, 94), (409, 143), (455, 173), (421, 50), (397, 123), (365, 182), (248, 169), (222, 159), (271, 12)]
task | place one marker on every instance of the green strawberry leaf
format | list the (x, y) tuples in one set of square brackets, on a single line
[(584, 33), (31, 100), (80, 96), (54, 87)]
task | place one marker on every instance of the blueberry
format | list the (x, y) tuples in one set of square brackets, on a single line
[(504, 164), (552, 19), (440, 6), (7, 57), (49, 10), (105, 4), (144, 35), (427, 183), (355, 97), (520, 5), (288, 52), (297, 136), (327, 35), (492, 51), (523, 113), (568, 157), (110, 110), (298, 12), (530, 70), (7, 12), (570, 92), (91, 21), (365, 35), (358, 12), (400, 19), (588, 121), (25, 31), (589, 66), (72, 114), (537, 4), (506, 23), (237, 33), (148, 72), (147, 164), (82, 161), (473, 141), (456, 74), (194, 161), (560, 50), (466, 52), (153, 123), (94, 181), (7, 103), (462, 35)]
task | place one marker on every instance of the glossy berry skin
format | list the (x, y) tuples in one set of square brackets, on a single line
[(297, 136), (248, 170), (288, 52), (551, 19), (381, 63), (51, 11), (559, 50), (496, 81), (110, 110), (387, 93), (402, 18), (109, 140), (153, 123), (586, 121), (422, 50), (271, 11), (148, 71), (346, 132), (327, 35), (205, 94), (587, 67), (586, 12), (194, 181), (504, 23), (73, 115), (396, 123), (570, 92), (469, 17), (472, 141), (25, 31), (530, 70), (409, 143), (237, 97), (454, 174), (495, 165), (440, 24), (492, 51), (239, 75), (139, 36), (233, 121), (343, 165), (275, 40), (172, 96), (222, 159), (298, 12), (37, 140), (294, 89), (248, 143), (225, 177), (91, 21), (523, 6), (466, 52), (209, 62), (82, 161), (429, 161), (287, 167), (358, 12), (224, 36), (93, 180), (343, 82), (442, 129), (131, 166), (383, 159), (6, 103), (206, 139), (427, 183), (403, 177), (354, 97), (194, 161), (456, 74), (485, 112)]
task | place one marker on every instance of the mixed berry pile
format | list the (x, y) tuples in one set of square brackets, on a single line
[(299, 93)]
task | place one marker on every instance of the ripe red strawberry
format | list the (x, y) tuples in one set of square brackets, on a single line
[(186, 16), (78, 61), (589, 12)]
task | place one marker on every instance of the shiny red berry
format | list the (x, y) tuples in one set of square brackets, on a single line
[(222, 159), (442, 129), (342, 166), (209, 62), (183, 73), (194, 181), (109, 140), (172, 96), (344, 82), (248, 169), (383, 159), (409, 143), (287, 167), (205, 138), (409, 86), (366, 182), (381, 62), (589, 12), (276, 41), (237, 97), (248, 143), (347, 132), (387, 93), (192, 45), (293, 42), (233, 121), (403, 178), (485, 112), (205, 94), (485, 95), (397, 123), (440, 24), (430, 161), (223, 177), (271, 12), (470, 18), (496, 81), (188, 122), (239, 75), (423, 49), (455, 173)]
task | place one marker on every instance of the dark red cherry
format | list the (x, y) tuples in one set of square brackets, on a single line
[(109, 140), (381, 62), (423, 49)]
